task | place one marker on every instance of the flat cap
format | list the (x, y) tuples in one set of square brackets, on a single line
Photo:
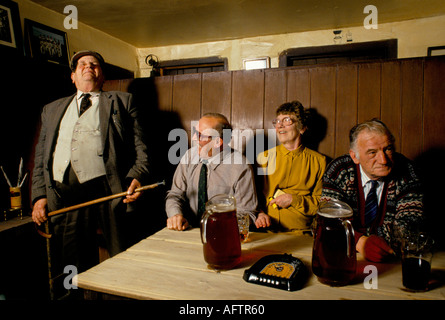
[(80, 54)]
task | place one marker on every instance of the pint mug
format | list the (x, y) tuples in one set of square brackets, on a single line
[(417, 254), (220, 234), (334, 259), (243, 225)]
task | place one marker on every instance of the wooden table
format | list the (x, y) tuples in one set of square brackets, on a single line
[(170, 265)]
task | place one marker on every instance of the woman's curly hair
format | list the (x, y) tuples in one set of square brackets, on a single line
[(295, 108)]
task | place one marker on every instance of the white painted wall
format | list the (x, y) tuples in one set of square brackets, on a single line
[(414, 38)]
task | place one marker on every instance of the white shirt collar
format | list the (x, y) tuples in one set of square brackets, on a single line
[(193, 156), (365, 178), (367, 187), (93, 94)]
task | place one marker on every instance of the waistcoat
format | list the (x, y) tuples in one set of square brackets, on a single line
[(79, 142)]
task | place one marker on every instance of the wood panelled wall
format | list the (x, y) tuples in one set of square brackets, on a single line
[(408, 95)]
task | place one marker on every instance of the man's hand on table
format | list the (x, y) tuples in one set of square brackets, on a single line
[(374, 248), (177, 222)]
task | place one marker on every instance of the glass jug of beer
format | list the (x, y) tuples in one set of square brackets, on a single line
[(219, 233), (334, 259)]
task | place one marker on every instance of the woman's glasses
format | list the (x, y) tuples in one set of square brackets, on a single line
[(285, 121)]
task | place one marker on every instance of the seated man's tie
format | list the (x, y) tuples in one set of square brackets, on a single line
[(202, 189), (371, 203)]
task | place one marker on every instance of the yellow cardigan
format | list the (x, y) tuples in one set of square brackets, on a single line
[(298, 172)]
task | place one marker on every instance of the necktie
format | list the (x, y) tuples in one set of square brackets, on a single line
[(371, 204), (202, 189), (85, 103)]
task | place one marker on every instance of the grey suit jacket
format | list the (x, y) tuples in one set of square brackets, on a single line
[(125, 152)]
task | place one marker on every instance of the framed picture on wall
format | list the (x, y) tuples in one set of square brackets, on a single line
[(10, 28), (46, 43), (258, 63)]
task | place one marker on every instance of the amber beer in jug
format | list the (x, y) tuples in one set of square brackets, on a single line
[(334, 259), (219, 233)]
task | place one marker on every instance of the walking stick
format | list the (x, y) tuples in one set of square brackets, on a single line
[(92, 202), (48, 236)]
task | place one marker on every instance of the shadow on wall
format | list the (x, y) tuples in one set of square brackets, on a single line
[(316, 131), (150, 216), (430, 165)]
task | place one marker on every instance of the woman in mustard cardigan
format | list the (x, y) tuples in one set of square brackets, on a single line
[(292, 174)]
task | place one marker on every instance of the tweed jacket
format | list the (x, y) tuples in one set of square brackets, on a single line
[(401, 204), (124, 150)]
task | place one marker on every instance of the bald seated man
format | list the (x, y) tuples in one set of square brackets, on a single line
[(227, 172)]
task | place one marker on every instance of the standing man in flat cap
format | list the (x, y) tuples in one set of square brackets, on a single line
[(91, 145)]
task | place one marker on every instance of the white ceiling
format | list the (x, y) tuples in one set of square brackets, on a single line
[(153, 23)]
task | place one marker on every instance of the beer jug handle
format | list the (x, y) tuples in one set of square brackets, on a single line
[(349, 237), (204, 219)]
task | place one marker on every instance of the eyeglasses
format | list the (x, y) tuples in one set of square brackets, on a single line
[(285, 121), (200, 136)]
